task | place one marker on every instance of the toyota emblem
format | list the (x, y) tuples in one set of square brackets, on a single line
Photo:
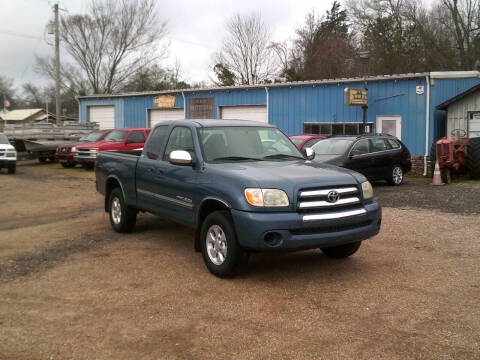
[(333, 196)]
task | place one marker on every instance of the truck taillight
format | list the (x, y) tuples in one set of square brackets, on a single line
[(409, 156)]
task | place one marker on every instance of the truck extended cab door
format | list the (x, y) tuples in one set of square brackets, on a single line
[(169, 189)]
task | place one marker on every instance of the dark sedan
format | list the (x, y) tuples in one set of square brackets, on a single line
[(378, 157)]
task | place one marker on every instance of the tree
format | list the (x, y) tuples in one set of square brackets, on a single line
[(322, 47), (224, 76), (156, 78), (110, 44), (38, 97), (464, 24), (245, 51), (8, 90)]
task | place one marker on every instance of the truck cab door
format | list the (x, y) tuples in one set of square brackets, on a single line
[(170, 188), (135, 140)]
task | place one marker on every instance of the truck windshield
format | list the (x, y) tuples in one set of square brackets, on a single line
[(332, 146), (242, 143), (4, 139), (92, 137), (116, 136)]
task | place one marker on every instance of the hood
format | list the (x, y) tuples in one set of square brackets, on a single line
[(99, 144), (6, 147), (286, 175)]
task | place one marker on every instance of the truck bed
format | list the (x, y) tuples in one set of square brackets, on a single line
[(120, 165)]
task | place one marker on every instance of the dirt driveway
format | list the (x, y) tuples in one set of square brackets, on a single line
[(70, 288)]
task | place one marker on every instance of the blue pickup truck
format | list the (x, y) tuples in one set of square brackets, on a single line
[(243, 186)]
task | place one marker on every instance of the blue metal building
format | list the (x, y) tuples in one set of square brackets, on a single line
[(404, 105)]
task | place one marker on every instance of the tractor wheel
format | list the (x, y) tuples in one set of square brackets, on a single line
[(433, 156), (473, 157)]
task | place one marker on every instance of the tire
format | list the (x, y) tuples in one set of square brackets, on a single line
[(395, 177), (218, 240), (342, 251), (88, 166), (52, 158), (12, 168), (122, 217), (473, 157), (68, 165), (42, 159)]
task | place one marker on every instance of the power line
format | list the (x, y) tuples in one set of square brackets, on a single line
[(12, 33)]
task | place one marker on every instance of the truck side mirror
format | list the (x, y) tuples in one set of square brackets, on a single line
[(180, 157), (309, 153)]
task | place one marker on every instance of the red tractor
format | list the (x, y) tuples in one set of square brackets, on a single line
[(458, 154)]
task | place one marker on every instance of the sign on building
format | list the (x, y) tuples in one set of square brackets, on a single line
[(355, 96), (420, 89), (200, 108), (164, 102)]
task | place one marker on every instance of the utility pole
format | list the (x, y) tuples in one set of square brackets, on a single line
[(57, 66)]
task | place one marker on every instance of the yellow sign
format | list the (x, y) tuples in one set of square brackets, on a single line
[(355, 96), (164, 101)]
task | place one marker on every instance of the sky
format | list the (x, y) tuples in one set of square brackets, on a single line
[(195, 30)]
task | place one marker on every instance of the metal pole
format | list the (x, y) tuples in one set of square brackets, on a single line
[(364, 108), (57, 66)]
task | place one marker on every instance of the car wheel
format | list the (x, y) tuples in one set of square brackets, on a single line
[(220, 250), (12, 168), (342, 251), (42, 159), (68, 165), (396, 176), (122, 217)]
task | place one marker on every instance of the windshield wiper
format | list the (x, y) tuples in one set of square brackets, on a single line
[(241, 158), (283, 156)]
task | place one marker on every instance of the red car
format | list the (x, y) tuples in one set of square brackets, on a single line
[(115, 140), (305, 141), (66, 152)]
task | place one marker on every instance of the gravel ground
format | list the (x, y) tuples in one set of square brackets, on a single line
[(73, 289)]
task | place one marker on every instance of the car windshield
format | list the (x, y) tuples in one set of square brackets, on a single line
[(297, 141), (4, 139), (242, 143), (332, 146), (116, 136), (92, 137)]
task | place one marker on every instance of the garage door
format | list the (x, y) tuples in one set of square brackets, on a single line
[(254, 113), (103, 115), (159, 115)]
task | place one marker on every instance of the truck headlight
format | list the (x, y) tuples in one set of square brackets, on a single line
[(266, 197), (367, 190), (73, 149)]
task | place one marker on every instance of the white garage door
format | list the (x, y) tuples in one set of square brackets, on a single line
[(159, 115), (254, 113), (103, 115)]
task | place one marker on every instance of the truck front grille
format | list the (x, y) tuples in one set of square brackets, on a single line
[(319, 199), (87, 153)]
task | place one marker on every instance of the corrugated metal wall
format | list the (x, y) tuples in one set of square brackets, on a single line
[(441, 91), (235, 97), (290, 107)]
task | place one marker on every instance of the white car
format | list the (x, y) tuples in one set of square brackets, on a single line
[(8, 155)]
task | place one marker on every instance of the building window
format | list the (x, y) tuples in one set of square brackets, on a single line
[(330, 129)]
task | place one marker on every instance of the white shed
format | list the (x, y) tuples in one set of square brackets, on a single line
[(463, 113)]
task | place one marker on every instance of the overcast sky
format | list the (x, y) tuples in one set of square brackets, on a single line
[(195, 27), (195, 30)]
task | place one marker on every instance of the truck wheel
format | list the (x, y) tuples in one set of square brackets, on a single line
[(52, 158), (473, 157), (342, 251), (220, 250), (395, 177), (42, 159), (12, 168), (122, 217), (68, 165)]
